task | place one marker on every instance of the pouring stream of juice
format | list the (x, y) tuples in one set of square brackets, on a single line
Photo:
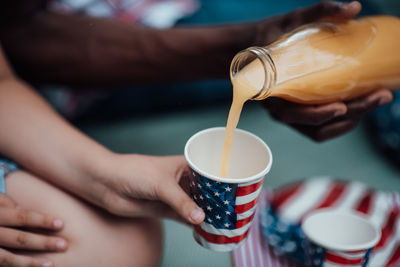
[(245, 86)]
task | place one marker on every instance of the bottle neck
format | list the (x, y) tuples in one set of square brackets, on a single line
[(245, 57)]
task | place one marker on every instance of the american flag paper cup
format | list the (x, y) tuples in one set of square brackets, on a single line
[(229, 203), (338, 239)]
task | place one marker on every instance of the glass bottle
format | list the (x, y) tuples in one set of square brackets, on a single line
[(325, 62)]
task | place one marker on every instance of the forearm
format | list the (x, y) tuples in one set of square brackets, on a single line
[(39, 140), (85, 50)]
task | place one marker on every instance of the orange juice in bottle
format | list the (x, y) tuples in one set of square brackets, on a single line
[(324, 62), (315, 64)]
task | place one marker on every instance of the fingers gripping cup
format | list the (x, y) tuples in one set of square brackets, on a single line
[(229, 203), (336, 239)]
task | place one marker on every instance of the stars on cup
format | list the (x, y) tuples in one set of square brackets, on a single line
[(216, 199)]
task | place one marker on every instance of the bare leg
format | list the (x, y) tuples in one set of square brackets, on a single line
[(96, 239)]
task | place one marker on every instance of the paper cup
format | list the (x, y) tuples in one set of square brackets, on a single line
[(229, 203), (338, 238)]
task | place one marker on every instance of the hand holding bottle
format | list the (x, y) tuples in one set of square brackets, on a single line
[(322, 121)]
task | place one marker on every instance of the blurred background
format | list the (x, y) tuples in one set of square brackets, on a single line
[(161, 126)]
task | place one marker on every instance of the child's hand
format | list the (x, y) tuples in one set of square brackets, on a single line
[(15, 234), (145, 186)]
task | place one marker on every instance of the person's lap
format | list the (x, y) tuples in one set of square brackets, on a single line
[(95, 237)]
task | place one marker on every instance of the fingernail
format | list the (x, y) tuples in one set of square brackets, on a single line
[(339, 112), (58, 223), (61, 244), (196, 215), (384, 101), (47, 264), (354, 4)]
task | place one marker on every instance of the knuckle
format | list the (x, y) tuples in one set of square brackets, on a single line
[(364, 105), (6, 260), (23, 217), (317, 120), (22, 238), (49, 243), (316, 117), (34, 263), (46, 220)]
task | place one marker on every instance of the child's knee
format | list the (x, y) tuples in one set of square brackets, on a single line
[(144, 245), (96, 238), (125, 243)]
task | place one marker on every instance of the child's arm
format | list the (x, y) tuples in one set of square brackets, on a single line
[(38, 139)]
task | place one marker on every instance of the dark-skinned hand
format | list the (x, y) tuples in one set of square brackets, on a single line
[(319, 122)]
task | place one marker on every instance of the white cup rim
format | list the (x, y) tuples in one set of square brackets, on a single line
[(228, 180), (340, 247)]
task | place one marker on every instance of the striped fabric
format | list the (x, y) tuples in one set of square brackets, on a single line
[(283, 210), (229, 211)]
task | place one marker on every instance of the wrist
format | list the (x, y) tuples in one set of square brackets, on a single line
[(94, 171), (106, 176)]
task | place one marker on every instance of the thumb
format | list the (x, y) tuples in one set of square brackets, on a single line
[(173, 195), (345, 11)]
